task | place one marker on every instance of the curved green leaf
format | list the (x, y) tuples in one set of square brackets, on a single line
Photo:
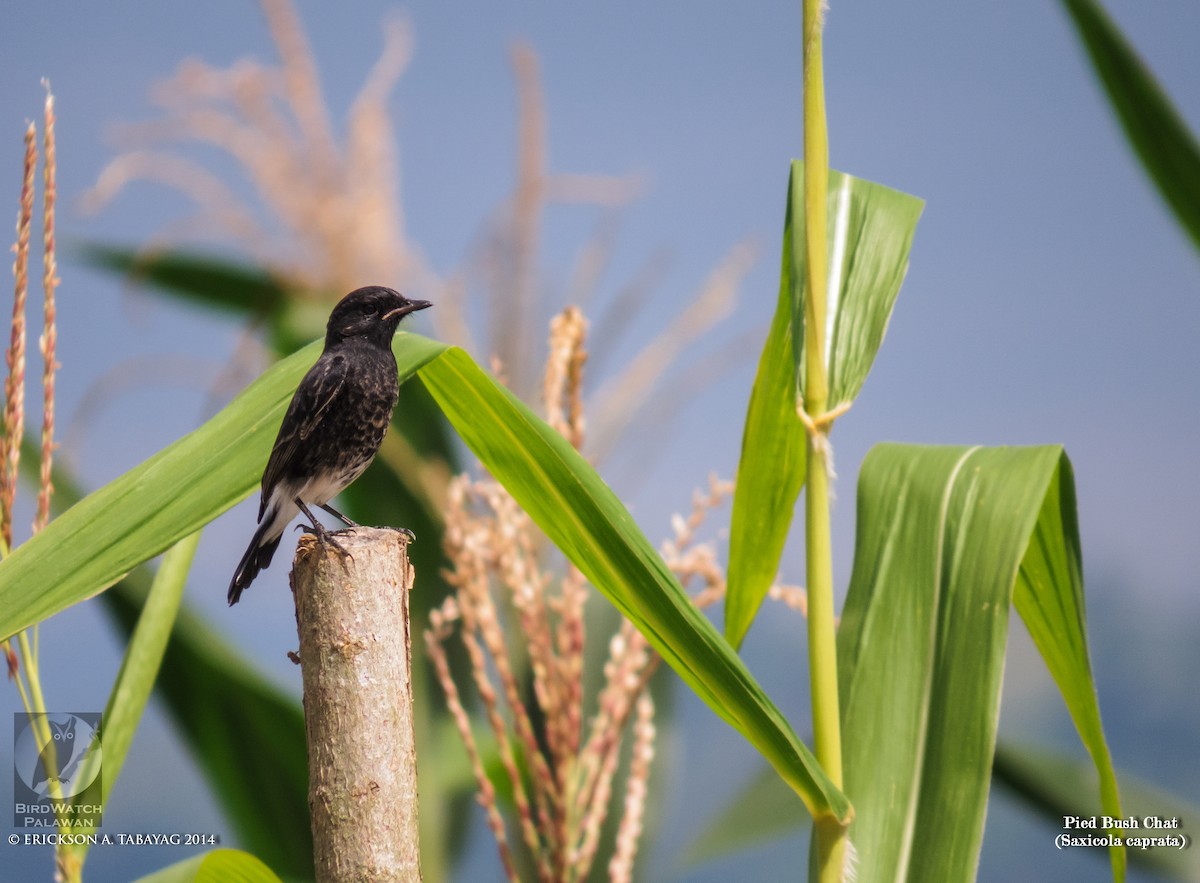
[(1049, 596), (582, 516), (871, 230), (1158, 132), (771, 469), (944, 536), (138, 515)]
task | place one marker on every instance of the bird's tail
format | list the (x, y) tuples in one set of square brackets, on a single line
[(258, 557)]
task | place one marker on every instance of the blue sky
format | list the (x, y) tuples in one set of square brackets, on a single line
[(1050, 298)]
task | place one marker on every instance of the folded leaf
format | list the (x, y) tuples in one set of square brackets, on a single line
[(946, 536), (871, 229), (1049, 596)]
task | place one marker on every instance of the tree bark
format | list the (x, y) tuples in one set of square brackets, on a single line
[(352, 618)]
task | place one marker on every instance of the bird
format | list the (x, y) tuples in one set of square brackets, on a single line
[(334, 425)]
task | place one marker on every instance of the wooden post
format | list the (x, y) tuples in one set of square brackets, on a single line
[(352, 617)]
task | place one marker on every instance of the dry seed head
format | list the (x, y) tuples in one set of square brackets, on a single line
[(48, 342), (14, 384)]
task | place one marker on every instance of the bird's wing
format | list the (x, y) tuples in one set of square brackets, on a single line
[(309, 406)]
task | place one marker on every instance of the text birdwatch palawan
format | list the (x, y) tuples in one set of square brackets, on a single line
[(334, 425)]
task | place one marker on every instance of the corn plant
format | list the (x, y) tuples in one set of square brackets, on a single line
[(950, 540)]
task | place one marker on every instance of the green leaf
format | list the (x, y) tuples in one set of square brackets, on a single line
[(246, 734), (582, 516), (1159, 135), (143, 656), (1049, 596), (871, 230), (192, 481), (217, 866), (770, 474), (139, 668), (944, 534), (203, 279)]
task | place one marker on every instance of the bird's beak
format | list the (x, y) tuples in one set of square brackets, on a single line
[(411, 307)]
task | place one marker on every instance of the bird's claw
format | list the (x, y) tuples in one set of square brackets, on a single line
[(325, 538)]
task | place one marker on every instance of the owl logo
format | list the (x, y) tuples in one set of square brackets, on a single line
[(59, 754), (70, 758)]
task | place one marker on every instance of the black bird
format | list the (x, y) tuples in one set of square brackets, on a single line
[(334, 425)]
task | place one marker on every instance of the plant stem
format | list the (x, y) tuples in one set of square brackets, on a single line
[(822, 645)]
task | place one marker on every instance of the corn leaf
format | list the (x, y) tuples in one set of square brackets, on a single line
[(1157, 131), (137, 516), (150, 508), (139, 668), (1049, 596), (582, 516), (246, 735), (871, 230), (947, 539), (198, 278)]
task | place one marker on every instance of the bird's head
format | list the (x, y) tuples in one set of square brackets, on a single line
[(372, 313)]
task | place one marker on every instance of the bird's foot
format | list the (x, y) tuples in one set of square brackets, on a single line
[(412, 537), (324, 537)]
